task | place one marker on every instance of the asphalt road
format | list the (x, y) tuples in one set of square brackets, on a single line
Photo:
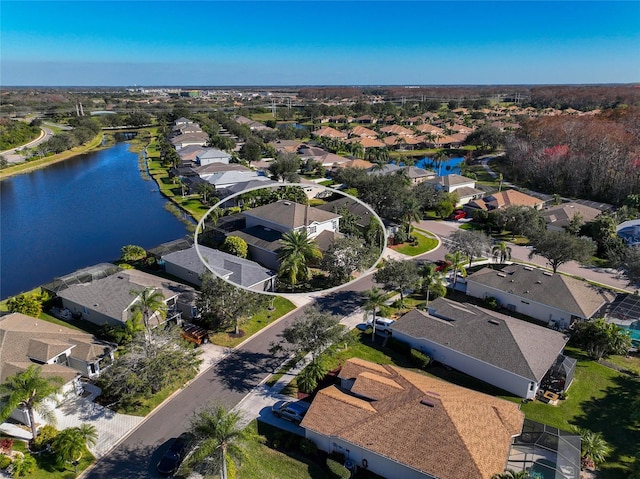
[(226, 383), (15, 156)]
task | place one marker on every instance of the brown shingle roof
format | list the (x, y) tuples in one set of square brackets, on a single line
[(466, 434), (290, 214)]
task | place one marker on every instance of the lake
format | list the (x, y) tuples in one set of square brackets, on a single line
[(75, 214)]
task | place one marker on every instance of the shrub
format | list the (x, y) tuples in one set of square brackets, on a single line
[(338, 470), (491, 302), (308, 447), (419, 359), (6, 445), (5, 461), (23, 465), (45, 436)]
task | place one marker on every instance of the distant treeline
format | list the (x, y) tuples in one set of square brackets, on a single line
[(592, 157)]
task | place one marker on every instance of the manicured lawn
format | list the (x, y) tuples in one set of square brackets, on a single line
[(424, 244), (256, 323), (629, 363)]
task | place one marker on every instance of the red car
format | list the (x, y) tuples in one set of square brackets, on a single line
[(458, 215), (442, 265)]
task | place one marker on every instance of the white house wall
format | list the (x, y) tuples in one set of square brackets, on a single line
[(522, 305), (381, 465), (511, 382)]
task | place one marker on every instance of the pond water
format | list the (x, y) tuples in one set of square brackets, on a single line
[(75, 214)]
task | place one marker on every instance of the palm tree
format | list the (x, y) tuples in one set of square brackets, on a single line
[(411, 211), (375, 299), (28, 390), (148, 303), (220, 437), (432, 281), (501, 251), (500, 179), (594, 447), (458, 261), (295, 255), (70, 444)]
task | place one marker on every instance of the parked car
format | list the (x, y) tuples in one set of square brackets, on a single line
[(195, 334), (175, 454), (458, 215), (442, 265), (382, 324), (291, 410)]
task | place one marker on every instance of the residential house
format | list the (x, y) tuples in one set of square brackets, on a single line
[(363, 132), (286, 146), (252, 124), (366, 142), (328, 160), (464, 187), (396, 130), (264, 227), (58, 350), (504, 199), (554, 299), (110, 300), (430, 129), (402, 424), (360, 210), (189, 139), (212, 155), (366, 120), (188, 154), (465, 337), (413, 173), (223, 175), (328, 132), (188, 266), (560, 216)]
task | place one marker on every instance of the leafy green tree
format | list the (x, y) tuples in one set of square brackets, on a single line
[(487, 138), (236, 246), (600, 339), (296, 254), (575, 224), (310, 333), (344, 257), (220, 438), (471, 243), (374, 300), (251, 152), (223, 305), (432, 282), (560, 247), (148, 303), (28, 390), (29, 304), (398, 275), (71, 444), (133, 253), (458, 261), (501, 252), (629, 262), (444, 209), (285, 167)]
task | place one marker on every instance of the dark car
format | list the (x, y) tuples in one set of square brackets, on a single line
[(292, 410), (173, 456)]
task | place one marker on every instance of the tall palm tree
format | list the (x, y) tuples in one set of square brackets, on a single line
[(148, 303), (297, 252), (411, 211), (500, 179), (501, 251), (28, 390), (375, 299), (432, 281), (71, 443), (220, 437), (458, 261)]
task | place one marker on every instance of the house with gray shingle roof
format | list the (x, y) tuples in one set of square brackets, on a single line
[(403, 424), (187, 265), (464, 187), (506, 352), (555, 299), (109, 300)]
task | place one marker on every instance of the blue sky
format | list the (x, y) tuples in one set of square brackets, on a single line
[(125, 43)]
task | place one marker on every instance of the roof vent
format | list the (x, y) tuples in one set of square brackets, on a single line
[(528, 268), (502, 275), (547, 273), (538, 282), (286, 203), (426, 402), (493, 321)]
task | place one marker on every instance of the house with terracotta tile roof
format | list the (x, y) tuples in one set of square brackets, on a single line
[(503, 199), (555, 299), (363, 132), (366, 142), (329, 132), (396, 130), (402, 424), (464, 337), (427, 128)]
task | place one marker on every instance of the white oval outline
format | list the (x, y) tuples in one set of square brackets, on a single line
[(303, 185)]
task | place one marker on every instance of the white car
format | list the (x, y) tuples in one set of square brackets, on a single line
[(382, 324)]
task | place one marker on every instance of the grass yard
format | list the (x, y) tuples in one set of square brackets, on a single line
[(256, 323), (423, 244)]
